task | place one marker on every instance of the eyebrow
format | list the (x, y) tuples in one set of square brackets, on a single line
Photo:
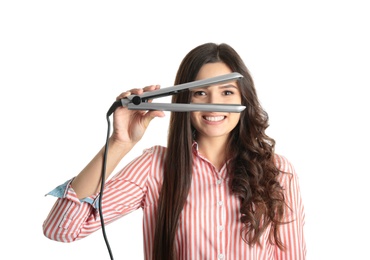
[(226, 86)]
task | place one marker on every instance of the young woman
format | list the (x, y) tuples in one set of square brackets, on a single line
[(218, 191)]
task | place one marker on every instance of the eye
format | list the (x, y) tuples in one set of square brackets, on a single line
[(228, 92), (199, 93)]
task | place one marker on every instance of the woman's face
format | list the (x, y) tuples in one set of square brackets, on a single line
[(215, 124)]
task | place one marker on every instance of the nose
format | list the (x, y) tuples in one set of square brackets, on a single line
[(214, 98)]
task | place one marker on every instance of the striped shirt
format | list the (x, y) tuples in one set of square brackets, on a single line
[(209, 225)]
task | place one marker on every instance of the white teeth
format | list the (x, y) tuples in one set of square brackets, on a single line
[(214, 118)]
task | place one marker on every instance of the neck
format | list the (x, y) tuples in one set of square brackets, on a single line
[(214, 149)]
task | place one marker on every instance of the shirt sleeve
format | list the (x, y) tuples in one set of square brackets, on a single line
[(292, 233), (71, 219)]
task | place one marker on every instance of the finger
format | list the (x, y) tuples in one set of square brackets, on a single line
[(123, 95), (135, 91), (151, 88), (152, 114)]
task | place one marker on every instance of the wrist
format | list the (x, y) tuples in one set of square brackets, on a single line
[(118, 144)]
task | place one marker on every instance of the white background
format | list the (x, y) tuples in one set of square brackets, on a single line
[(62, 63)]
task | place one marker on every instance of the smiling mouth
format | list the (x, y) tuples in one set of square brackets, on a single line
[(214, 118)]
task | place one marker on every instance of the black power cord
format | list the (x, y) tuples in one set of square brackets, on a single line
[(110, 111)]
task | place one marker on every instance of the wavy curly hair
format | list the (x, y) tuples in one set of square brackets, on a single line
[(251, 167)]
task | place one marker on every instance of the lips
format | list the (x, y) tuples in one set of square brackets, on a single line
[(214, 118)]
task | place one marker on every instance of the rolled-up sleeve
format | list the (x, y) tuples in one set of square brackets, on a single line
[(68, 214), (71, 219)]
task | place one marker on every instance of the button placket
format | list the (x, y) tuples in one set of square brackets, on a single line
[(221, 217)]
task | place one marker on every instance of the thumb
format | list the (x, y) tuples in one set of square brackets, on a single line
[(150, 115)]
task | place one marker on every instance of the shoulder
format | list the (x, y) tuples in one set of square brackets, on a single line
[(156, 150), (283, 164), (154, 157), (288, 175), (289, 180), (145, 167), (142, 164)]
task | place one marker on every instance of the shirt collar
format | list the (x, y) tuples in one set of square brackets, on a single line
[(195, 147)]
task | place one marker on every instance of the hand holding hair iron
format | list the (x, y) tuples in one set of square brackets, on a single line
[(139, 102)]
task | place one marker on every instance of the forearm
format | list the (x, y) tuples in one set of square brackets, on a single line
[(88, 181)]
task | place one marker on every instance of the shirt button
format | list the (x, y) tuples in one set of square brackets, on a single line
[(220, 256), (219, 182), (220, 228), (220, 203)]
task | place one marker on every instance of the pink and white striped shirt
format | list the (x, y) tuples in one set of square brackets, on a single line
[(209, 225)]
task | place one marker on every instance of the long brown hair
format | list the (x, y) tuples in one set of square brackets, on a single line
[(251, 167)]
